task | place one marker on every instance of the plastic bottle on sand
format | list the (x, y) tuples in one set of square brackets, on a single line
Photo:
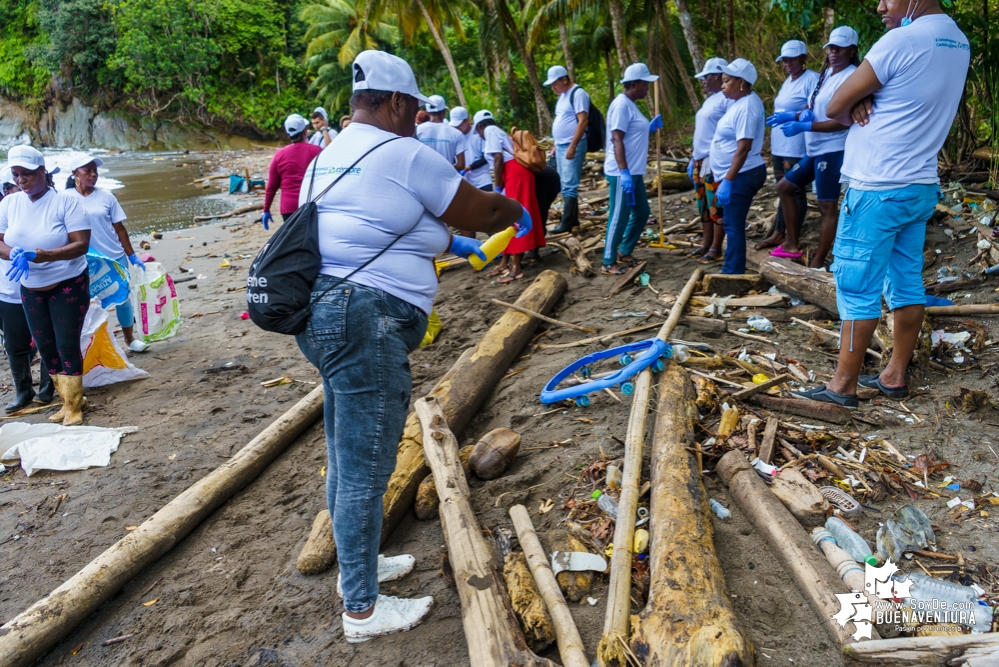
[(850, 542), (492, 247), (927, 594), (606, 503)]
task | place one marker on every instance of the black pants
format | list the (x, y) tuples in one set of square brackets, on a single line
[(56, 320), (782, 165), (548, 185), (16, 334)]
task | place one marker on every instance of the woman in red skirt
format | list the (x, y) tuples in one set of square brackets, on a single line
[(517, 182)]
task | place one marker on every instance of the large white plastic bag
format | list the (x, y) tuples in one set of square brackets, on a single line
[(103, 361), (154, 300), (58, 447)]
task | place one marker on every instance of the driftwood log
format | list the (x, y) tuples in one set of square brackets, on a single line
[(319, 552), (800, 497), (525, 598), (815, 577), (815, 287), (238, 211), (688, 621), (968, 650), (491, 628), (578, 254), (827, 412), (33, 632), (427, 500), (724, 284)]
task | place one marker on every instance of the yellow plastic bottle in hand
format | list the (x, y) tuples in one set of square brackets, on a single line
[(492, 247)]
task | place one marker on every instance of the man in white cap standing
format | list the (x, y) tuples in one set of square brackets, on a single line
[(572, 114), (440, 136), (324, 134), (287, 169)]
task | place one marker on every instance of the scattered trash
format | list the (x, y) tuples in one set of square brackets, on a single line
[(58, 447), (720, 510), (244, 316), (763, 467), (592, 601), (760, 323), (927, 593), (618, 316), (577, 561), (850, 541), (606, 503), (841, 500)]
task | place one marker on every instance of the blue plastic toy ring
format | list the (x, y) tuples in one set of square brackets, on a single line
[(653, 349)]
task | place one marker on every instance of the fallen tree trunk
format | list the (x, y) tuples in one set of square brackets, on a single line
[(970, 309), (809, 568), (827, 412), (970, 650), (685, 572), (491, 628), (815, 287), (238, 211), (35, 631)]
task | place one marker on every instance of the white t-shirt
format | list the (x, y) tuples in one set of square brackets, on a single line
[(792, 96), (44, 224), (706, 121), (475, 149), (442, 138), (400, 188), (317, 138), (624, 115), (743, 120), (104, 211), (922, 68), (497, 141), (820, 143), (565, 123)]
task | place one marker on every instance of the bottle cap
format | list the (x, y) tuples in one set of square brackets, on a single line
[(871, 560), (597, 494)]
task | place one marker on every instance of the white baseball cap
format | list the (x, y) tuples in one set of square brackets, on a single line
[(741, 68), (842, 36), (294, 124), (377, 70), (792, 49), (555, 72), (638, 72), (436, 104), (82, 159), (484, 114), (26, 157), (458, 116), (713, 66), (322, 112)]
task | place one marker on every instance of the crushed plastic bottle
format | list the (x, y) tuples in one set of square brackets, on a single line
[(850, 542), (928, 595), (720, 510), (606, 503), (947, 274), (760, 323), (613, 480), (679, 353), (908, 530)]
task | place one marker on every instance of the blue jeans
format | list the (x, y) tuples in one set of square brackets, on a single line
[(823, 169), (625, 221), (360, 339), (570, 171), (744, 188), (879, 248)]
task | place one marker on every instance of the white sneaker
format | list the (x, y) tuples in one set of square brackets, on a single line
[(390, 568), (138, 346), (391, 615)]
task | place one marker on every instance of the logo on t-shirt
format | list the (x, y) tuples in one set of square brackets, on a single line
[(948, 43), (330, 171)]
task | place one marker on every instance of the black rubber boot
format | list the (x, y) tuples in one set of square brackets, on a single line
[(570, 215), (20, 370), (46, 388)]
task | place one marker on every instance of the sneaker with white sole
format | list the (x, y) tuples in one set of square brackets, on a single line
[(391, 615), (138, 346), (390, 568)]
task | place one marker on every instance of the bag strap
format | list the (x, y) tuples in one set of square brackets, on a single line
[(315, 164)]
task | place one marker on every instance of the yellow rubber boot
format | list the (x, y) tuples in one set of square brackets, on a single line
[(61, 414), (72, 396)]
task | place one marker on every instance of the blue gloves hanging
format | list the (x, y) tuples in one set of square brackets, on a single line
[(134, 259), (796, 128), (690, 170), (723, 195), (656, 124), (19, 263), (266, 219), (524, 224), (462, 246)]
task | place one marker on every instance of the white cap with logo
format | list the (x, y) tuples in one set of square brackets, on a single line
[(483, 114), (842, 37), (294, 124), (555, 72), (458, 116), (27, 157), (713, 66), (436, 104), (322, 112), (377, 70), (82, 160), (792, 49), (741, 68), (638, 72)]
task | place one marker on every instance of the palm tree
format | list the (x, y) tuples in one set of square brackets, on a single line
[(435, 14), (527, 57), (547, 13)]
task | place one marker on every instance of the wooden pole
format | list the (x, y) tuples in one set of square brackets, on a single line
[(685, 572), (925, 651), (491, 628), (970, 309), (35, 631), (543, 318), (613, 648), (570, 644), (659, 168)]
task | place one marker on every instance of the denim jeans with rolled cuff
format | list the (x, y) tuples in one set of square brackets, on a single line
[(359, 338), (570, 171), (744, 188)]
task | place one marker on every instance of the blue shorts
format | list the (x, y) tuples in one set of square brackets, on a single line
[(879, 249), (823, 169)]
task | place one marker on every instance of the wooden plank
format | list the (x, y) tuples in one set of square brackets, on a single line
[(752, 391), (626, 279), (769, 440)]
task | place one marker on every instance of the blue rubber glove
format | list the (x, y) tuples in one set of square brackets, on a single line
[(19, 264), (498, 190), (14, 252), (461, 172), (782, 117), (796, 128), (627, 184), (656, 123), (723, 195), (462, 246), (524, 224), (266, 219), (690, 169), (807, 114), (134, 259)]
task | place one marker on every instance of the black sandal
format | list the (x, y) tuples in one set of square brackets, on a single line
[(710, 257), (694, 254), (608, 270)]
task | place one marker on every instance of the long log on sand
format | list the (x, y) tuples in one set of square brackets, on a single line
[(613, 648), (818, 582), (816, 287), (35, 631), (827, 412), (688, 621), (491, 628), (969, 309), (971, 650), (239, 211)]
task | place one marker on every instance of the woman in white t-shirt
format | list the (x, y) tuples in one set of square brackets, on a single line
[(108, 235), (380, 227), (45, 235), (825, 140)]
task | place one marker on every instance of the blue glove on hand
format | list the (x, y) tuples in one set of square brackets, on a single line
[(782, 117), (656, 123), (134, 259), (267, 219), (627, 184), (524, 224), (461, 172), (807, 114), (690, 169), (19, 264), (498, 190), (723, 195), (796, 128), (14, 252), (462, 246)]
